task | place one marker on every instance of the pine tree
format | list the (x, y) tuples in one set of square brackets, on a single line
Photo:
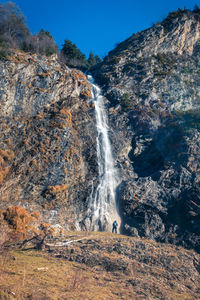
[(196, 8), (73, 55), (97, 59), (91, 59)]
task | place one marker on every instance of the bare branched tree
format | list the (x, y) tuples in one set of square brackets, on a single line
[(12, 25)]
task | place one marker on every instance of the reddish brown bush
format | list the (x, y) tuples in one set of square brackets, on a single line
[(19, 218)]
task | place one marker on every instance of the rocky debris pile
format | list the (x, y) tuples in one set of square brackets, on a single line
[(152, 83)]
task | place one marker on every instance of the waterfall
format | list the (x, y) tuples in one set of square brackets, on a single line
[(102, 206)]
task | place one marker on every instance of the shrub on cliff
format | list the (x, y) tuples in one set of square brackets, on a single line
[(168, 22), (18, 228), (126, 102), (188, 119), (7, 237), (19, 218)]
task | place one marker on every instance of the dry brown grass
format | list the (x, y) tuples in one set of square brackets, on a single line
[(40, 275), (33, 275)]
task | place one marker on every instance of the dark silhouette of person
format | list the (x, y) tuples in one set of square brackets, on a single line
[(114, 228)]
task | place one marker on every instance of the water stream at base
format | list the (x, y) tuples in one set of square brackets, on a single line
[(102, 206)]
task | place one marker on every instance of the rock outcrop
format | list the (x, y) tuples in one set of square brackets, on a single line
[(47, 143), (152, 83)]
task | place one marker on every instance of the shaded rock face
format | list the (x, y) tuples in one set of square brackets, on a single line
[(152, 83), (47, 142)]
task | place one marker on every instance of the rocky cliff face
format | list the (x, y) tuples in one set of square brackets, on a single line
[(47, 143), (152, 83), (48, 134)]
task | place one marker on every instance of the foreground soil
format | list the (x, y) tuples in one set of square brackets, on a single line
[(100, 266)]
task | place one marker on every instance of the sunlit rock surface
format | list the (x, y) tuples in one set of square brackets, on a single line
[(47, 143)]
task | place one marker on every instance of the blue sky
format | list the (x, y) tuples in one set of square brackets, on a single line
[(96, 25)]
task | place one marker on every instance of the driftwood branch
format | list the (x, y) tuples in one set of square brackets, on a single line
[(65, 243)]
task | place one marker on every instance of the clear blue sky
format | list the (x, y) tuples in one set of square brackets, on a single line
[(96, 25)]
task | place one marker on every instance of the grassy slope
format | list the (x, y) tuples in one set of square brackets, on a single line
[(57, 279), (154, 271), (22, 278)]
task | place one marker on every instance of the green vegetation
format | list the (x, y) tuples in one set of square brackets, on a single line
[(97, 59), (42, 43), (176, 13), (127, 102), (4, 51), (173, 132), (73, 56), (165, 59), (196, 9), (186, 70), (93, 60), (165, 64), (158, 72), (167, 23), (188, 119), (14, 34)]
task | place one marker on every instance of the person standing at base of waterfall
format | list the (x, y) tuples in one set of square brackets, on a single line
[(114, 229)]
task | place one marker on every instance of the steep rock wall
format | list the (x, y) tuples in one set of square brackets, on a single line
[(47, 143), (152, 83)]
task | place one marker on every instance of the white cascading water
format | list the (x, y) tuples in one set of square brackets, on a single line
[(102, 207)]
